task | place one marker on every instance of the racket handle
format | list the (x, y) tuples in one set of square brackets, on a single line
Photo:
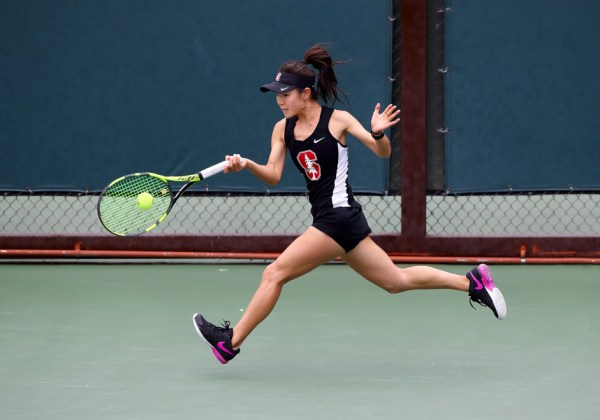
[(213, 170)]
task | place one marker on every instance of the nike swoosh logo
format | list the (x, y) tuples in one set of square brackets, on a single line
[(316, 141), (221, 345), (478, 284), (284, 89)]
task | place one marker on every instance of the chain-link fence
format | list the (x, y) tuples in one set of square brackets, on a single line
[(223, 213), (518, 214), (552, 214)]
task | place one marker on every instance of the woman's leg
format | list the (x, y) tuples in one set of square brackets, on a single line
[(312, 249), (371, 262)]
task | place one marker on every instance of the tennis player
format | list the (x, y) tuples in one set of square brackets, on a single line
[(316, 137)]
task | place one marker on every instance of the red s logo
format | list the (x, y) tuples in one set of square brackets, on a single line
[(308, 160)]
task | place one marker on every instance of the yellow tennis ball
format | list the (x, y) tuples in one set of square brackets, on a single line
[(144, 200)]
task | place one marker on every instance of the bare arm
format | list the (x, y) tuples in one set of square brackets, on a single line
[(269, 173), (379, 123)]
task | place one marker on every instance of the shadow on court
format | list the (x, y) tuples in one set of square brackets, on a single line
[(117, 341)]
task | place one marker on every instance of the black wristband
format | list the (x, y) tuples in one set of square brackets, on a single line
[(377, 136)]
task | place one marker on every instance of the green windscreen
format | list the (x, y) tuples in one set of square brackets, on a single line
[(92, 90)]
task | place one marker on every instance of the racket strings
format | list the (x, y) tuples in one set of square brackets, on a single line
[(119, 210)]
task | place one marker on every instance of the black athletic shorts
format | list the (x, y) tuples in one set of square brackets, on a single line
[(345, 225)]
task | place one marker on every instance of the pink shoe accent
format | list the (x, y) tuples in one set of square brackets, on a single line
[(221, 345), (218, 356), (478, 284), (486, 277)]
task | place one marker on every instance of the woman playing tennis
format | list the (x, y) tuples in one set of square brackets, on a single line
[(315, 136)]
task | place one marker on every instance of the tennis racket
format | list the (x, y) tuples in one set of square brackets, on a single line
[(137, 203)]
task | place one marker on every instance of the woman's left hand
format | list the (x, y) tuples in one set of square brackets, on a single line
[(383, 121)]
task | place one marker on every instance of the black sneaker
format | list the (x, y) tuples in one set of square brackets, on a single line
[(219, 338), (483, 291)]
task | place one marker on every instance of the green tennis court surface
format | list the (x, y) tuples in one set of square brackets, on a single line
[(117, 341)]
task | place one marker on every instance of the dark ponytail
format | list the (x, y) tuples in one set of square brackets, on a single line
[(317, 57)]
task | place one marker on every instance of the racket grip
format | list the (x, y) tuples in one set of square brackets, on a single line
[(213, 170)]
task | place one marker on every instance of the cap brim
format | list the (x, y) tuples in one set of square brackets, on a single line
[(276, 87)]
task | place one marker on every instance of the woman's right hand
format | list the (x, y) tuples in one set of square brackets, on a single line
[(236, 163)]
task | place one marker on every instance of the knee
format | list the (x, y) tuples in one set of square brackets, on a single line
[(393, 288), (397, 284), (272, 276)]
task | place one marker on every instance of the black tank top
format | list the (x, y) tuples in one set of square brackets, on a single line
[(323, 161)]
